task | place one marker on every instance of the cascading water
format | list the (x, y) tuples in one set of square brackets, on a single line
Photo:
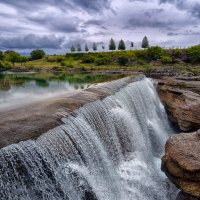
[(108, 150)]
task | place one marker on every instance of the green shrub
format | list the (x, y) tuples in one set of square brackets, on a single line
[(177, 53), (166, 59), (194, 54), (69, 63), (87, 59), (155, 53), (122, 61), (102, 61), (5, 65)]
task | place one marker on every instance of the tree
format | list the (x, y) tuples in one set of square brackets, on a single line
[(79, 47), (132, 44), (72, 48), (1, 55), (86, 48), (94, 46), (13, 57), (23, 59), (103, 47), (145, 42), (112, 45), (37, 54), (121, 45)]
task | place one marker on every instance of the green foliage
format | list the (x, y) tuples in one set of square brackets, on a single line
[(94, 46), (72, 48), (112, 45), (102, 61), (194, 54), (122, 60), (121, 45), (37, 54), (86, 48), (79, 47), (69, 63), (145, 42), (155, 53), (1, 55), (166, 59), (5, 65), (88, 59), (13, 57), (177, 53)]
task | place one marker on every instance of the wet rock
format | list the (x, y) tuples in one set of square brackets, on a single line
[(181, 162), (182, 102), (184, 196)]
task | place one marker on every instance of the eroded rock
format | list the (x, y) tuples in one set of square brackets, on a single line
[(182, 102), (181, 162)]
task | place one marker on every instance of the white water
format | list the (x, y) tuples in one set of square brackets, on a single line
[(108, 150)]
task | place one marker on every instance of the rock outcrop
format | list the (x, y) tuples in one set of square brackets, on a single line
[(181, 162), (182, 102)]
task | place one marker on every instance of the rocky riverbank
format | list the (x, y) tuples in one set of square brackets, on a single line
[(181, 162)]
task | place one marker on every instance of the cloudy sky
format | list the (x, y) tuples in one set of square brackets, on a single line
[(54, 25)]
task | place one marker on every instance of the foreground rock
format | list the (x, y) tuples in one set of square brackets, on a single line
[(182, 102), (181, 163), (30, 121)]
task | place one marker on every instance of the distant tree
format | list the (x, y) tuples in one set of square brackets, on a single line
[(72, 48), (121, 45), (13, 57), (37, 54), (1, 55), (112, 45), (79, 47), (132, 44), (94, 46), (86, 48), (103, 47), (8, 51), (23, 59), (145, 42)]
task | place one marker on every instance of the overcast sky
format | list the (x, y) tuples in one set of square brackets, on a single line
[(54, 25)]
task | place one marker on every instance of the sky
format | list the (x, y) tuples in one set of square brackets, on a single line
[(54, 25)]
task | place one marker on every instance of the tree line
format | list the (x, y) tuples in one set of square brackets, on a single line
[(112, 45), (14, 57)]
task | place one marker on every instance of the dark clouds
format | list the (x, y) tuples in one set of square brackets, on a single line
[(52, 24), (31, 41)]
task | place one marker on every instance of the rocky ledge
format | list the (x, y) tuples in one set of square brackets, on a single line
[(181, 163), (182, 102)]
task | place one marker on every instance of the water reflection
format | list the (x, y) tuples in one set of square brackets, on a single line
[(17, 89)]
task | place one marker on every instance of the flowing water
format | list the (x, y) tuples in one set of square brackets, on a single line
[(108, 150)]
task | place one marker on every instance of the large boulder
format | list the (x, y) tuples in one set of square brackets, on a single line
[(181, 162), (182, 102)]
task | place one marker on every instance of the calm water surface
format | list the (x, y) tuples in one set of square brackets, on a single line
[(22, 88)]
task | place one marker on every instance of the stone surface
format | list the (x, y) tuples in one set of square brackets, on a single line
[(181, 162), (182, 102), (30, 121), (184, 196)]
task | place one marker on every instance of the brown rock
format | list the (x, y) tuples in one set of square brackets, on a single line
[(181, 162), (182, 102), (184, 196)]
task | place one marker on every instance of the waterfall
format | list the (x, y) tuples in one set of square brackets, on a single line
[(106, 150)]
